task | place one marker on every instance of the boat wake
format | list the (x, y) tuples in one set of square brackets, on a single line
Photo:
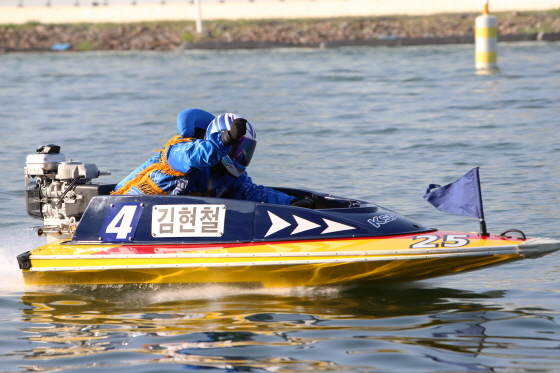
[(15, 241)]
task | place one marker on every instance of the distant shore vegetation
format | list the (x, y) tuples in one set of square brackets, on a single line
[(172, 35)]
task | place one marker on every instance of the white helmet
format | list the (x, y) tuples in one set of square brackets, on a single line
[(243, 150)]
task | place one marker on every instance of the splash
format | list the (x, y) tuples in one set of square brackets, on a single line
[(219, 291), (13, 242)]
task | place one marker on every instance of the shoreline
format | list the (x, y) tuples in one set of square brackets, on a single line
[(552, 37), (310, 33), (371, 42)]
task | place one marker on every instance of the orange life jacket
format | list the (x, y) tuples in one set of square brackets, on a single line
[(144, 182)]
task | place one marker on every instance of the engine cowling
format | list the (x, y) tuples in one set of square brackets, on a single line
[(58, 190)]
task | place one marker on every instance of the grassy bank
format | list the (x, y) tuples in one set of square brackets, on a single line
[(310, 32)]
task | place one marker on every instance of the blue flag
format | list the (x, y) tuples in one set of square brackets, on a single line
[(461, 197)]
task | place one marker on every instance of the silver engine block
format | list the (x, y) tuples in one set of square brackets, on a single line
[(58, 191)]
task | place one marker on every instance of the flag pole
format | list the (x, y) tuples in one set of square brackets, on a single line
[(483, 230)]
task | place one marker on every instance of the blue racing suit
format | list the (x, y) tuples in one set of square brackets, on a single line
[(155, 176), (215, 181), (197, 169), (160, 174)]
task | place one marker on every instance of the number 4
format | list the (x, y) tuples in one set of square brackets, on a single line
[(124, 217)]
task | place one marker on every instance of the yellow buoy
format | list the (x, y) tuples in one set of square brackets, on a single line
[(486, 40)]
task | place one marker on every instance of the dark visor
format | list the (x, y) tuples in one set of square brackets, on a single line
[(242, 152)]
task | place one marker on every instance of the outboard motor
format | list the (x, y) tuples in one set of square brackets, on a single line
[(58, 191)]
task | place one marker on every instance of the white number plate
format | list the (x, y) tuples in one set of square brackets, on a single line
[(188, 220)]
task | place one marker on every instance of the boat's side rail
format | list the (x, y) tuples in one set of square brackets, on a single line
[(45, 263), (407, 252)]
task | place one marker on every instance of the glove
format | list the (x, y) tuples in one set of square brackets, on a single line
[(180, 187), (237, 130), (305, 202)]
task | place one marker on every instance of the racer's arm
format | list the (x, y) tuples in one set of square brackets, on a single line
[(184, 156), (245, 189)]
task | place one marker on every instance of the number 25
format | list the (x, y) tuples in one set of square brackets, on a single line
[(449, 240)]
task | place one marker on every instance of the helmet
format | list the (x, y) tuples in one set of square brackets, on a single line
[(193, 122), (243, 150)]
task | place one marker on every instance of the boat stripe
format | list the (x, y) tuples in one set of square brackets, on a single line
[(411, 252), (511, 251), (203, 245)]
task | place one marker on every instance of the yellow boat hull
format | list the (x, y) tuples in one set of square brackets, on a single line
[(362, 261)]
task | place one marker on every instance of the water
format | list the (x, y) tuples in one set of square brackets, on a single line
[(378, 124)]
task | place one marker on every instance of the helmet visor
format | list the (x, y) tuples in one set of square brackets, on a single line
[(243, 150)]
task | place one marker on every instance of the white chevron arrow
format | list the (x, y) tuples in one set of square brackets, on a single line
[(304, 225), (277, 224), (333, 226)]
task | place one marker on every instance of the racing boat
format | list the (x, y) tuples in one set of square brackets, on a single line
[(94, 237)]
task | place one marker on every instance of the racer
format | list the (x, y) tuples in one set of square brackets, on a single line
[(235, 139), (155, 176), (213, 167)]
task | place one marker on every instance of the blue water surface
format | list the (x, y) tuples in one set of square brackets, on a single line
[(377, 124)]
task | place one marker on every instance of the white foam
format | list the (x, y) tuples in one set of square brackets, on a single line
[(217, 291), (13, 242)]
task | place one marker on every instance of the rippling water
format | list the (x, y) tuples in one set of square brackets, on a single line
[(378, 124)]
